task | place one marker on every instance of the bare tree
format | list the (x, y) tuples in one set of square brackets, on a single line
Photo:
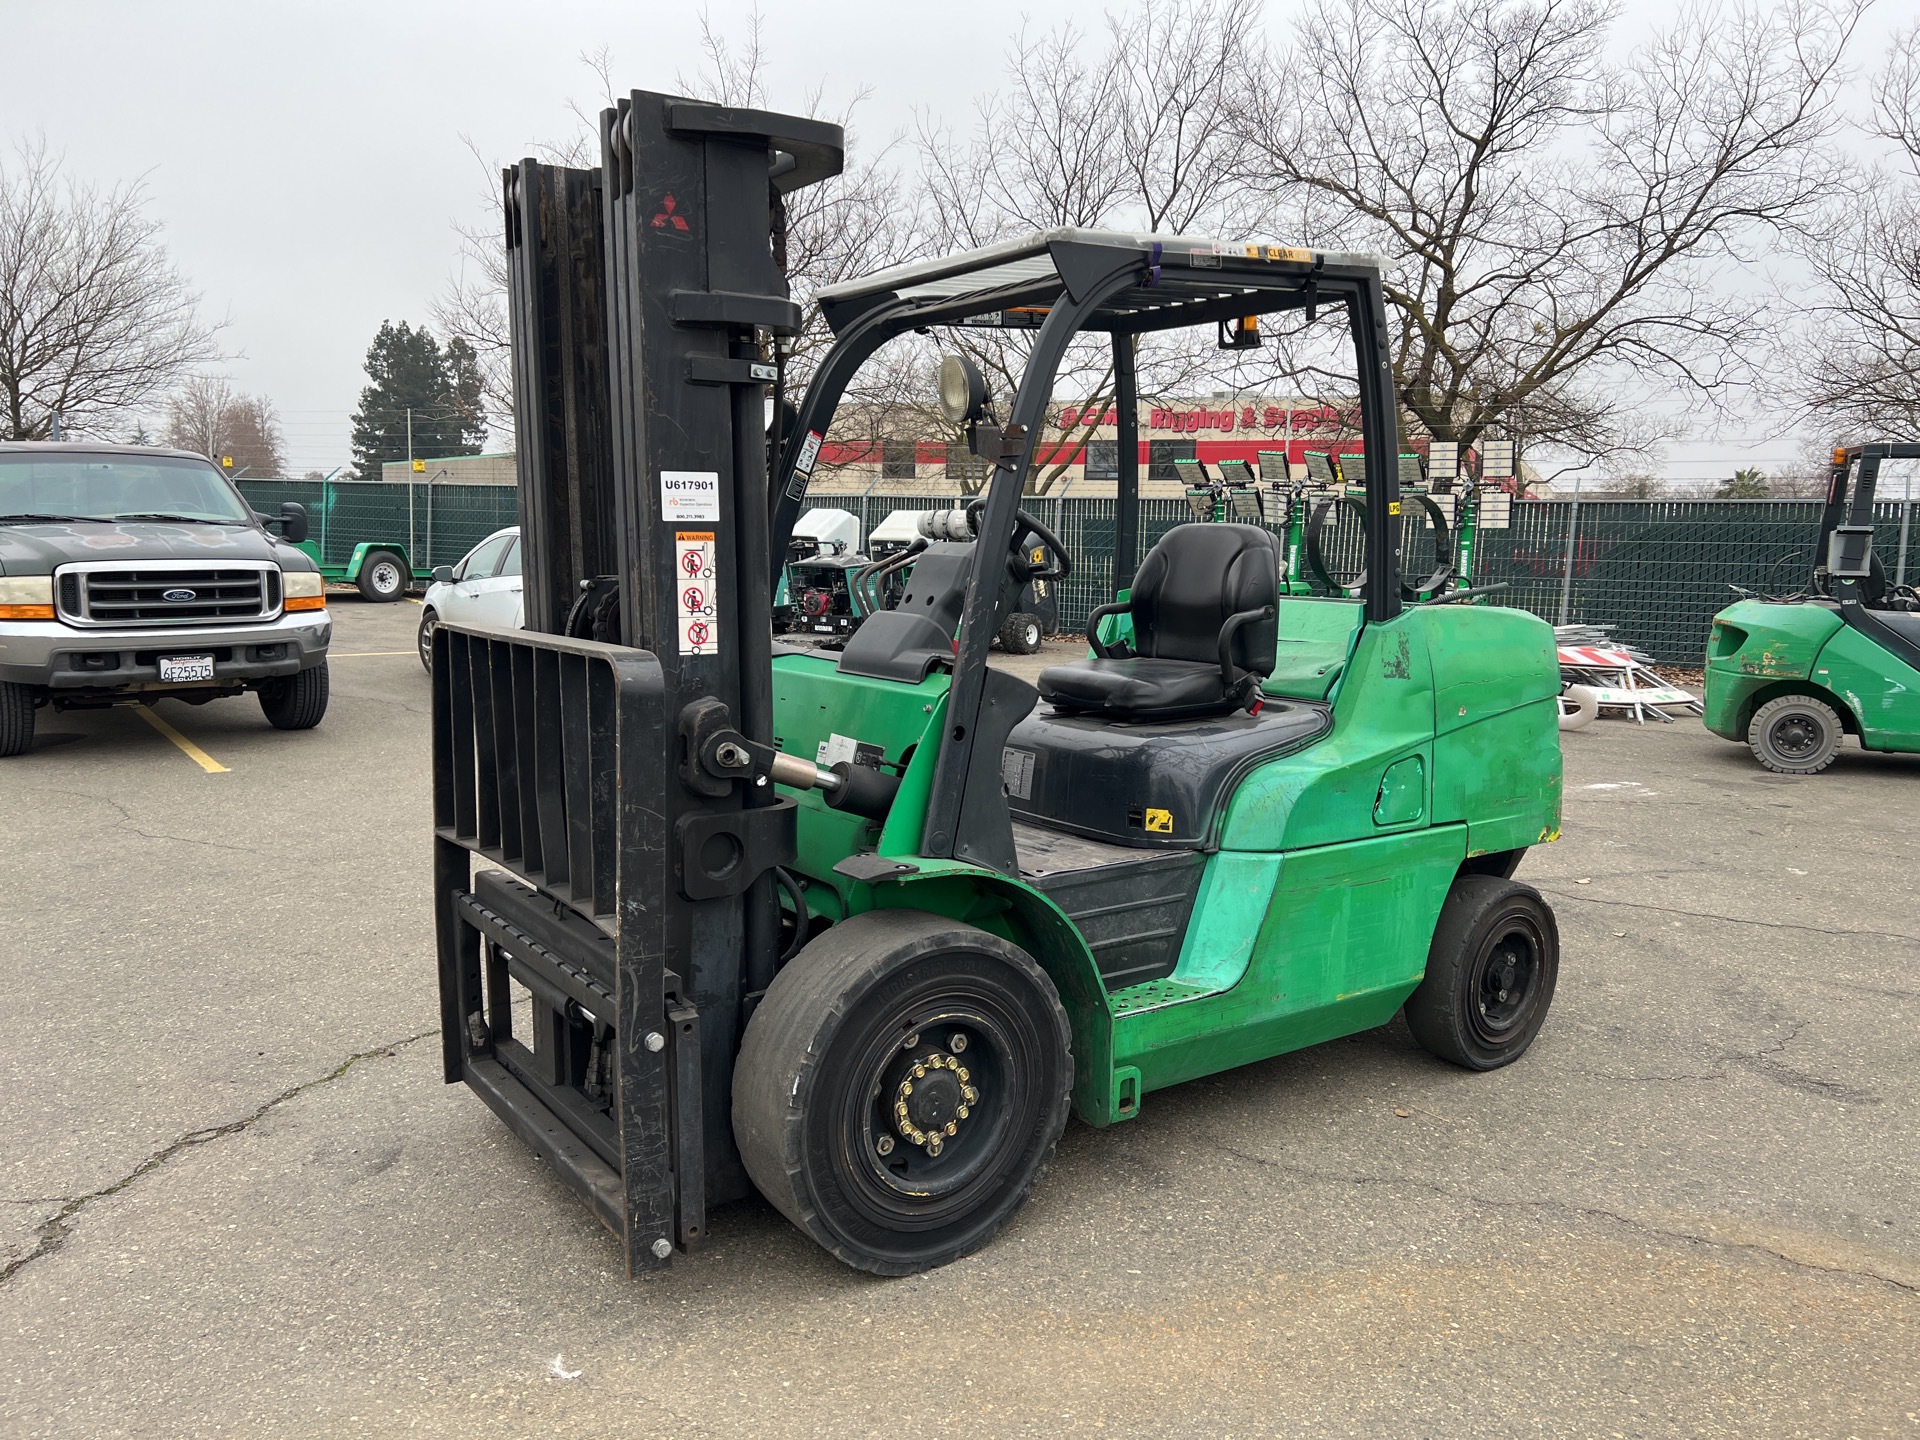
[(1557, 226), (1861, 356), (209, 417), (94, 318), (861, 220), (1133, 132), (473, 307)]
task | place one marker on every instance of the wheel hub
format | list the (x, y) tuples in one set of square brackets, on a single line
[(1795, 736), (933, 1099), (1503, 986)]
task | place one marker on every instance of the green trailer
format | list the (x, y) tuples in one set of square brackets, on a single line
[(386, 538)]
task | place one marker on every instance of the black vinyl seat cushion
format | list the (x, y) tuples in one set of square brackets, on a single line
[(1196, 579), (1134, 685)]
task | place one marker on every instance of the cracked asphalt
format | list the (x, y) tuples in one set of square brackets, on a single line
[(236, 1200)]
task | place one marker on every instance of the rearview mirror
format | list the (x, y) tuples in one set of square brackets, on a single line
[(443, 574), (293, 521)]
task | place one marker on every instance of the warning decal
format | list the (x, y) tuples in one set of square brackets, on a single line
[(804, 462), (696, 577)]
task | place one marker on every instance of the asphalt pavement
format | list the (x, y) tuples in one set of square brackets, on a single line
[(235, 1198)]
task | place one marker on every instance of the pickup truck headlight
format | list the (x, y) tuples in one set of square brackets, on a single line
[(26, 597), (304, 590)]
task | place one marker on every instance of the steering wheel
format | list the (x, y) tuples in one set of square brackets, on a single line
[(1019, 563)]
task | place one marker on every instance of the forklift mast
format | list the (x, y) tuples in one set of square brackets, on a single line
[(638, 298)]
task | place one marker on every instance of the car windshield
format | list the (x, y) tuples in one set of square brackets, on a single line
[(79, 486)]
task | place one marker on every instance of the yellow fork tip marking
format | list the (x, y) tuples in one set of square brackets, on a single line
[(192, 751)]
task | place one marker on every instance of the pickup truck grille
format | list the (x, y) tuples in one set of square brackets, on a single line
[(155, 594)]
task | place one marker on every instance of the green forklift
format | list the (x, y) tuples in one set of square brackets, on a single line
[(1792, 675), (861, 930)]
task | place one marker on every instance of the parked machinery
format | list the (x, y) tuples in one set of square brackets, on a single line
[(860, 928), (1793, 675), (815, 593)]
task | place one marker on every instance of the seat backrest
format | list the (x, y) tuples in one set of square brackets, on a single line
[(1193, 580)]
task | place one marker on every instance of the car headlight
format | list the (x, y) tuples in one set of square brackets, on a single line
[(305, 590), (26, 597)]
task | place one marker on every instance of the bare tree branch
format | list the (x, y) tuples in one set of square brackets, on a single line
[(95, 321), (1557, 226), (1857, 369)]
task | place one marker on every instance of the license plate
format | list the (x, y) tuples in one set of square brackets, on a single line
[(186, 667)]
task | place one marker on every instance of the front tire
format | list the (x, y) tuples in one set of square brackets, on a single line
[(901, 1088), (1491, 973), (383, 578), (17, 707), (1795, 735), (1020, 634), (296, 702), (429, 622)]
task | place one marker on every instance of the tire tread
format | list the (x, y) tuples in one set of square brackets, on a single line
[(806, 1001)]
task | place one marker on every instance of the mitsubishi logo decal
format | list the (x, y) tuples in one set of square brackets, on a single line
[(667, 217)]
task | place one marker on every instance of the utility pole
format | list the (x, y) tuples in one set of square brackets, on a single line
[(412, 540), (1573, 529), (55, 435), (1906, 524)]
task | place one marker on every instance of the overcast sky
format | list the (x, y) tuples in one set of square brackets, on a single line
[(309, 160)]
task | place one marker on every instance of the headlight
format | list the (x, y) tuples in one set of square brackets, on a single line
[(304, 589), (26, 597), (963, 390)]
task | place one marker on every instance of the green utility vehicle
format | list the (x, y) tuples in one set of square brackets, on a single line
[(859, 930), (1792, 675)]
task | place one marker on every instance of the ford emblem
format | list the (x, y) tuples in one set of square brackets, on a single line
[(179, 596)]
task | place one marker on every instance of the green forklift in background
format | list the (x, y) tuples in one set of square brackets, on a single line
[(1792, 676), (860, 929)]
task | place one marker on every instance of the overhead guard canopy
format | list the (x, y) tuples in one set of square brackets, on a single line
[(1190, 281)]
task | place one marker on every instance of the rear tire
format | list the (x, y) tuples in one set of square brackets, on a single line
[(1491, 973), (1020, 634), (1579, 707), (16, 719), (383, 578), (296, 702), (893, 1025), (429, 622), (1795, 735)]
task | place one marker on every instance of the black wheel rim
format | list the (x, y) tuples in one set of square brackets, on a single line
[(1795, 735), (912, 1159), (1504, 988)]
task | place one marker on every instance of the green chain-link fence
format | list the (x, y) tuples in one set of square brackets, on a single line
[(437, 523), (1656, 570)]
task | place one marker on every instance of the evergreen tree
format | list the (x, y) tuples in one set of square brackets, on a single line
[(411, 375)]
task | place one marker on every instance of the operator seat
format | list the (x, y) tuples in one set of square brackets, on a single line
[(1203, 605)]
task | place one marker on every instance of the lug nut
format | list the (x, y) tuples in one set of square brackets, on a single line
[(956, 1042), (933, 1145)]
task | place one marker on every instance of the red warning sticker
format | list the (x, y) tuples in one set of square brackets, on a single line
[(697, 571)]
